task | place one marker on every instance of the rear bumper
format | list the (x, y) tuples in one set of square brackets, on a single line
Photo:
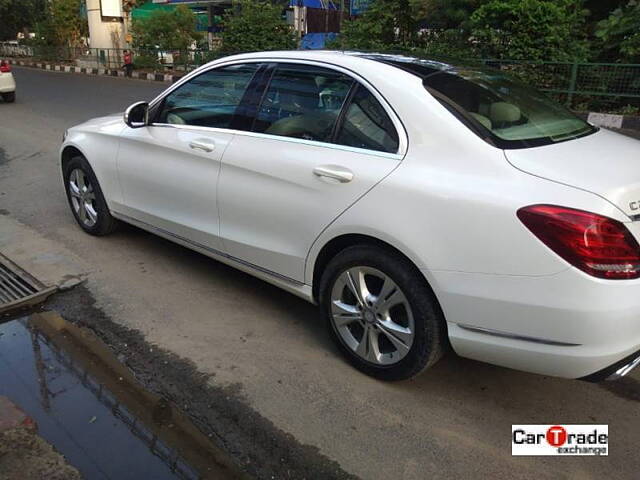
[(7, 83), (568, 325)]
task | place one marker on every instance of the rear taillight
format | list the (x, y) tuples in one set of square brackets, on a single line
[(600, 246), (4, 67)]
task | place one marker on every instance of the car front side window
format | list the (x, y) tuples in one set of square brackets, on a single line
[(303, 101), (210, 99)]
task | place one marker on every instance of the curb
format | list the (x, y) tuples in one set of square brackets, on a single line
[(611, 120), (152, 77)]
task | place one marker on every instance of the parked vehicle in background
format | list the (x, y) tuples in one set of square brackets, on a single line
[(7, 82), (421, 204)]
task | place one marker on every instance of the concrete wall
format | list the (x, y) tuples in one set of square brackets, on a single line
[(104, 32)]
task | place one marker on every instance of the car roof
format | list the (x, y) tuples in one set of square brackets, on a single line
[(421, 67)]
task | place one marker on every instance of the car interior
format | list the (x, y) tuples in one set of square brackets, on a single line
[(300, 102)]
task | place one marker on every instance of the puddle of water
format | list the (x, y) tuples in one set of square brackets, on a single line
[(91, 408)]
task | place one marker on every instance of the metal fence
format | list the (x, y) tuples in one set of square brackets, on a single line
[(610, 86), (576, 82), (113, 58)]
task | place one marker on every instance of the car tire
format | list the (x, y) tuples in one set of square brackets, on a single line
[(9, 97), (407, 319), (85, 198)]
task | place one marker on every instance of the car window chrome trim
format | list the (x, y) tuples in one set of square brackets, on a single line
[(403, 139), (213, 251), (513, 336), (282, 138)]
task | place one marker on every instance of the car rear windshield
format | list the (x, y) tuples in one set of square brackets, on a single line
[(512, 114)]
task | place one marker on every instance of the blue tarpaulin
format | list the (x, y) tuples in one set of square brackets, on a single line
[(331, 5), (315, 41), (359, 6)]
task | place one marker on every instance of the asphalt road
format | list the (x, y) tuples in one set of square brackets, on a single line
[(453, 422)]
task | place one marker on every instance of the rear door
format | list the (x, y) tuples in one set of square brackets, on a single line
[(320, 140), (169, 170)]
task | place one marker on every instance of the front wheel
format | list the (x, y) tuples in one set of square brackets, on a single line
[(9, 97), (85, 198), (381, 313)]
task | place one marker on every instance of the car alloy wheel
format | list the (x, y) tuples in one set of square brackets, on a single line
[(372, 315), (83, 198)]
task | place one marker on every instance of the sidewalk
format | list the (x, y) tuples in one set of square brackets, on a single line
[(139, 75)]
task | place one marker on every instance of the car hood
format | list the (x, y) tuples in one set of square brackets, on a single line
[(605, 163), (100, 122)]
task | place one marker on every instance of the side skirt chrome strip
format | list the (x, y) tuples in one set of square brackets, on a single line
[(498, 333), (213, 251)]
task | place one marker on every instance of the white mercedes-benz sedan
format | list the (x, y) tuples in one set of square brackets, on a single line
[(421, 205)]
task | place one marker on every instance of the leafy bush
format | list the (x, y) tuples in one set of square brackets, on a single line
[(256, 26), (551, 30), (167, 30), (619, 34), (385, 25)]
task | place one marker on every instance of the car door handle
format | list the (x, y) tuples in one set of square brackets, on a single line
[(204, 145), (343, 175)]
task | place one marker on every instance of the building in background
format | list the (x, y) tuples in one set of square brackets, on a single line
[(109, 23), (315, 21), (107, 28)]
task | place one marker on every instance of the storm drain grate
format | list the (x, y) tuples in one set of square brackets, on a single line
[(19, 289)]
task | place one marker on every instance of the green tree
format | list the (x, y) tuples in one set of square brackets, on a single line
[(255, 26), (66, 23), (18, 16), (531, 29), (448, 14), (385, 25), (166, 30), (619, 34)]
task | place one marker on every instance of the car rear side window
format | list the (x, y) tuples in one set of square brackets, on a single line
[(210, 99), (303, 101), (367, 125)]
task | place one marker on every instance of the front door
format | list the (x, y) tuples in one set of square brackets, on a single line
[(169, 170)]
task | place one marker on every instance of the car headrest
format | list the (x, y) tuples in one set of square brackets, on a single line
[(503, 112), (484, 121)]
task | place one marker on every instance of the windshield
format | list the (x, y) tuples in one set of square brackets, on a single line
[(516, 116)]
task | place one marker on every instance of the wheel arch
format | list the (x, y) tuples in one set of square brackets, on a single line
[(72, 150), (68, 152), (337, 244)]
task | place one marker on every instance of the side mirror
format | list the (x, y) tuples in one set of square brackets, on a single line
[(137, 115)]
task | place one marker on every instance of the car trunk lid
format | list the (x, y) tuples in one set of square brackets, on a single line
[(605, 163)]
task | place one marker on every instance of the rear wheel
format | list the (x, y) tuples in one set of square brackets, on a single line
[(9, 97), (85, 198), (381, 313)]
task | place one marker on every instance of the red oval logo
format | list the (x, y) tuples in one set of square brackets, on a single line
[(556, 436)]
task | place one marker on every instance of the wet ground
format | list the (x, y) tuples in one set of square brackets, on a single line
[(93, 411), (117, 407)]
